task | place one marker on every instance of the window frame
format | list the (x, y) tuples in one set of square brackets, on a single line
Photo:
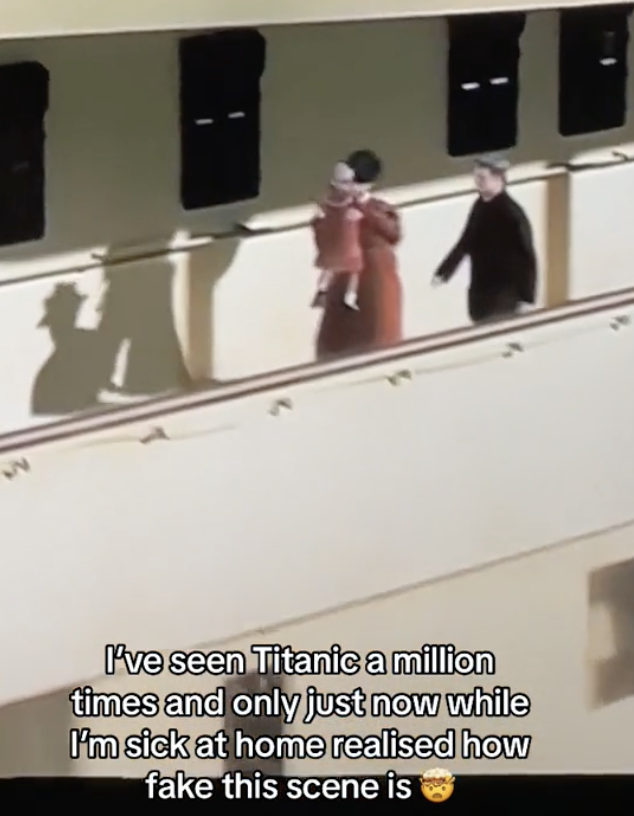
[(474, 38), (24, 104), (572, 108), (234, 90)]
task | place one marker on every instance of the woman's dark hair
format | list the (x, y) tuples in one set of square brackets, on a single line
[(366, 165)]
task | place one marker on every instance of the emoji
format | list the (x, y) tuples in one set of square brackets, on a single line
[(437, 784)]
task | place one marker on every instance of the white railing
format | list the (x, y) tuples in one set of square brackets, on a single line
[(150, 412)]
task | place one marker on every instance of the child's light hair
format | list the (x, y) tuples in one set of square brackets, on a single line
[(343, 174)]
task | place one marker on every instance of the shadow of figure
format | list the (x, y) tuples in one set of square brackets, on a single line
[(378, 321), (138, 334), (135, 351), (70, 379)]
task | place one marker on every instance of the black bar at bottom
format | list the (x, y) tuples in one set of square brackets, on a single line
[(472, 794)]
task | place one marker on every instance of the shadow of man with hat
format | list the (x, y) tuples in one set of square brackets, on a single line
[(71, 377)]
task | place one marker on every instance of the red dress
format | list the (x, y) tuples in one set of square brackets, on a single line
[(378, 323), (337, 234)]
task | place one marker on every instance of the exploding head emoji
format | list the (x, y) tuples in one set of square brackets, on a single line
[(437, 784)]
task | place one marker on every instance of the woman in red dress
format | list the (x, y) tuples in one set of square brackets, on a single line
[(378, 321)]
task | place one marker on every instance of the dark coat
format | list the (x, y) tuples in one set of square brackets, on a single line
[(499, 242)]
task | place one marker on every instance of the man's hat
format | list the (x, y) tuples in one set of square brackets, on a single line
[(64, 299)]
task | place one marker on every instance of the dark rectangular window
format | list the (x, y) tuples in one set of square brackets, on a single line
[(483, 79), (593, 69), (251, 725), (220, 77), (24, 90), (611, 633)]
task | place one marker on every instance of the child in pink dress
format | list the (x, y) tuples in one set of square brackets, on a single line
[(337, 235)]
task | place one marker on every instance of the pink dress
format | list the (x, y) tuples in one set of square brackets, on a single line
[(337, 234), (379, 322)]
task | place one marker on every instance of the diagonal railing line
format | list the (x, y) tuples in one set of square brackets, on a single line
[(157, 408)]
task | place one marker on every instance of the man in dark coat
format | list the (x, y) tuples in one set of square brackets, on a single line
[(499, 242)]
